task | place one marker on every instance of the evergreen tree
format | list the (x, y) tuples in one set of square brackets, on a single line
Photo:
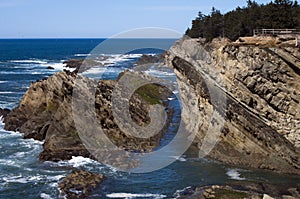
[(241, 21)]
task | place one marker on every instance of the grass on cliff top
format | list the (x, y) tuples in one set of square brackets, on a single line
[(152, 93)]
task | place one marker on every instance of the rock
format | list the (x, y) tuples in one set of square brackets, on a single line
[(237, 190), (50, 68), (146, 59), (81, 65), (266, 196), (261, 98), (45, 113), (79, 184), (4, 112)]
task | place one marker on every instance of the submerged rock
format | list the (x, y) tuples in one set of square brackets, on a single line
[(50, 68), (79, 184)]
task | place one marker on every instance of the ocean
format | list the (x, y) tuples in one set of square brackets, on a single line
[(22, 175)]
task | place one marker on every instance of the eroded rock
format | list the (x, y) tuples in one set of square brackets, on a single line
[(79, 184)]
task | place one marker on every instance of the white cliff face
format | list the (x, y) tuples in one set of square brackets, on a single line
[(255, 90)]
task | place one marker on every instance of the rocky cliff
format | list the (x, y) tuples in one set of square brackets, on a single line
[(45, 113), (260, 119)]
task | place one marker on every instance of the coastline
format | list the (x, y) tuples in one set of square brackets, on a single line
[(67, 91)]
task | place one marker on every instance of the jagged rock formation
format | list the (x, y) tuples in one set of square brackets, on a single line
[(45, 113), (240, 190), (261, 106), (79, 184)]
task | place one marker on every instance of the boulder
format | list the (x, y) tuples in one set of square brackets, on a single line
[(79, 184)]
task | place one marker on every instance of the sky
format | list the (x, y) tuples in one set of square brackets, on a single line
[(100, 18)]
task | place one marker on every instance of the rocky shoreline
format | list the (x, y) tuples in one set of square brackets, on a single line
[(240, 190), (262, 122)]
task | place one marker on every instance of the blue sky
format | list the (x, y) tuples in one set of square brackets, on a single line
[(99, 18)]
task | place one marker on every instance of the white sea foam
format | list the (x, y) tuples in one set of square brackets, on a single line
[(178, 192), (132, 195), (29, 61), (21, 179), (45, 196), (56, 66), (179, 158), (2, 82), (55, 178), (108, 60), (77, 161), (6, 92), (82, 55), (9, 163), (234, 174)]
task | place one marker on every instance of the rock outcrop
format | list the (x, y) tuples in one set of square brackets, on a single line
[(240, 190), (260, 108), (79, 184), (45, 113)]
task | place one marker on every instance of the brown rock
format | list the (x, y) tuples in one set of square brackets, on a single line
[(261, 99), (79, 184)]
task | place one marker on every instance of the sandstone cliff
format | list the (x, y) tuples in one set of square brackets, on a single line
[(260, 107)]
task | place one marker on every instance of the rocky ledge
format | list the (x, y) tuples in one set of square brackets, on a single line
[(79, 184), (258, 118), (240, 190)]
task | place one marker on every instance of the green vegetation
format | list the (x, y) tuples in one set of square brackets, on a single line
[(279, 14), (152, 93)]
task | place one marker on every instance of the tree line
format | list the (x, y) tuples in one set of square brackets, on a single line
[(280, 14)]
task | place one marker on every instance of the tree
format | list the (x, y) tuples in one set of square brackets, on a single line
[(242, 21)]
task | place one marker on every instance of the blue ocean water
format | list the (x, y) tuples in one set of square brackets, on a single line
[(22, 175)]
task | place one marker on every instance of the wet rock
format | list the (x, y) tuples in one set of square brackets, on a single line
[(79, 184), (4, 112), (50, 68)]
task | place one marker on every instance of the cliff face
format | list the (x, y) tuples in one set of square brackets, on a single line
[(260, 118)]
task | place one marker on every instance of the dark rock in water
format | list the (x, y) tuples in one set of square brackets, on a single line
[(146, 59), (81, 65), (73, 63), (4, 112), (50, 68), (79, 184)]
